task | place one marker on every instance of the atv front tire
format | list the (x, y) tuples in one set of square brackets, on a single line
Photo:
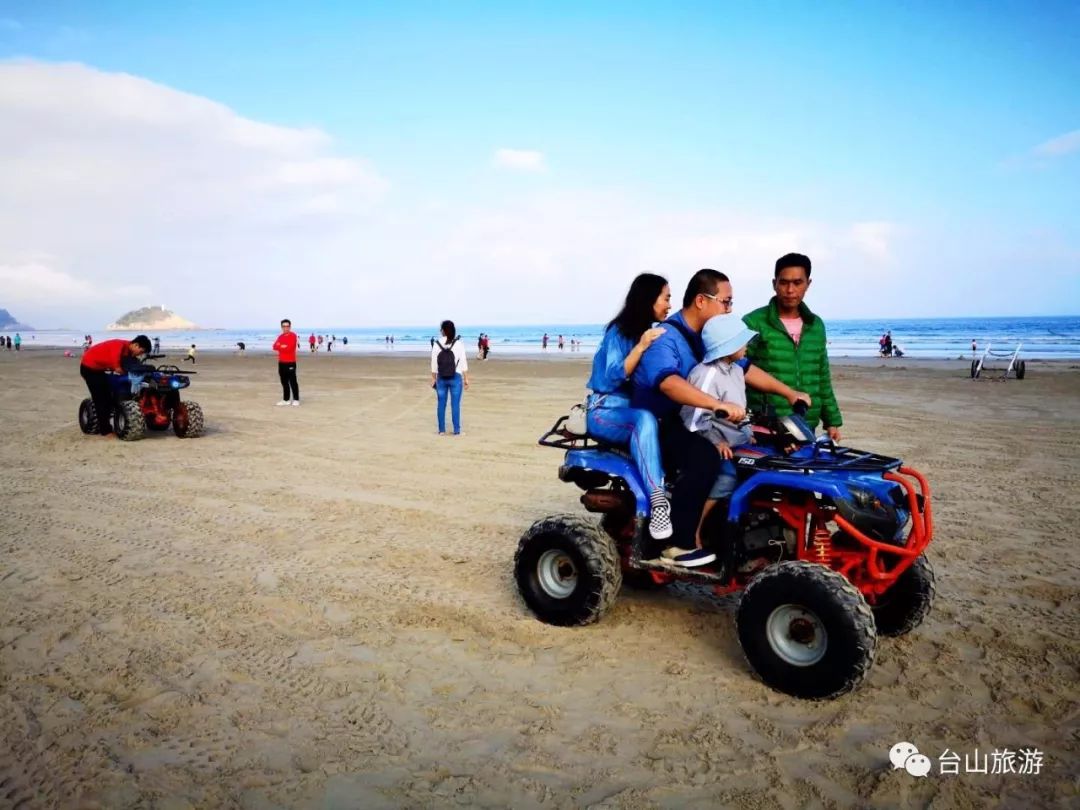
[(806, 630), (88, 420), (903, 607), (128, 421), (567, 570), (188, 420)]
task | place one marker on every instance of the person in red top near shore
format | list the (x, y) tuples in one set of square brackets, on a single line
[(285, 346), (109, 355)]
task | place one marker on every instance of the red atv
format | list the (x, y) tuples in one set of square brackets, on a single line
[(144, 397)]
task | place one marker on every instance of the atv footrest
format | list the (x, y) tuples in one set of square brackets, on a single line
[(707, 574)]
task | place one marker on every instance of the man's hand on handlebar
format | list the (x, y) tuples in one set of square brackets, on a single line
[(795, 396), (730, 411)]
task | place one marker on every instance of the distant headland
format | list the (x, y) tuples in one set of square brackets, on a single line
[(8, 322), (150, 318)]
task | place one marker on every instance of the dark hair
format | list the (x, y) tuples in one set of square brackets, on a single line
[(448, 329), (703, 282), (286, 321), (792, 260), (144, 343), (637, 313)]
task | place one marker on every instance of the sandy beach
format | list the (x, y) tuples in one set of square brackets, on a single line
[(313, 607)]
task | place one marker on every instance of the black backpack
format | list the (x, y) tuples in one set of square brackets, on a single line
[(445, 361)]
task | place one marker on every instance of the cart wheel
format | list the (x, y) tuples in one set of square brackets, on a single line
[(974, 369), (1021, 369)]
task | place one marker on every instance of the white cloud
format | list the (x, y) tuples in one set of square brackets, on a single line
[(135, 186), (524, 160), (874, 240), (36, 282), (1060, 146)]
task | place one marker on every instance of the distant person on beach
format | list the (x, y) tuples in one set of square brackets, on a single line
[(661, 386), (6, 341), (609, 415), (157, 345), (433, 343), (449, 376), (480, 346), (18, 341), (241, 346), (320, 341), (114, 356), (191, 354), (561, 343), (344, 340), (544, 341), (485, 346), (391, 341), (791, 347), (311, 342), (285, 346), (974, 348)]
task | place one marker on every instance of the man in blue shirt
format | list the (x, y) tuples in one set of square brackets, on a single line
[(660, 386)]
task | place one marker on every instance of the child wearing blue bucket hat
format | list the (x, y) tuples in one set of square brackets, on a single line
[(719, 375)]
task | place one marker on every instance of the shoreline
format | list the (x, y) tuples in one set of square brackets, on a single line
[(838, 361)]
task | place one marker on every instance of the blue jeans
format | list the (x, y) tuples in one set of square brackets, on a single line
[(724, 484), (453, 387), (634, 427)]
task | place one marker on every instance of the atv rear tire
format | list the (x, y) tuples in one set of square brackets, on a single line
[(188, 420), (806, 630), (903, 607), (88, 421), (975, 369), (128, 421), (567, 570), (1021, 369)]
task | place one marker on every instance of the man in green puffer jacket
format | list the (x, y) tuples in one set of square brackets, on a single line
[(791, 346)]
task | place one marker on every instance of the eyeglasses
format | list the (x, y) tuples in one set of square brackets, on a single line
[(727, 302)]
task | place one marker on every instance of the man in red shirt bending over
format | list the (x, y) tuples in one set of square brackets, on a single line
[(109, 355), (285, 346)]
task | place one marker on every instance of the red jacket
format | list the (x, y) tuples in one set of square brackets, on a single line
[(105, 356), (285, 346)]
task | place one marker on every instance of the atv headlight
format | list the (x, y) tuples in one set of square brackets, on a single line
[(174, 383)]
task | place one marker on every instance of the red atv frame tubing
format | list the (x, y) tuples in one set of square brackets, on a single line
[(864, 567)]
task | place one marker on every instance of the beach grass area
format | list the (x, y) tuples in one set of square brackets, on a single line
[(314, 606)]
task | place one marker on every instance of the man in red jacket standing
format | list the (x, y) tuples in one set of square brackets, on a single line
[(109, 355), (285, 346)]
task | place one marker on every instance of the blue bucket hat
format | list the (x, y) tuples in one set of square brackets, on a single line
[(724, 335)]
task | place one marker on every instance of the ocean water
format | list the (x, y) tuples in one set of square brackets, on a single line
[(942, 338)]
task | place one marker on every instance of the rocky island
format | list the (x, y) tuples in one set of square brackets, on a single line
[(150, 318)]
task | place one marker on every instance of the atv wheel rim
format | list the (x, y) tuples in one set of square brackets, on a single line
[(797, 635), (557, 574)]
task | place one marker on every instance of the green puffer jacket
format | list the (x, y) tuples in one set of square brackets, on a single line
[(804, 367)]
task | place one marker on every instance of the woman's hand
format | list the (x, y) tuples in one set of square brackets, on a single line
[(724, 449), (649, 336), (465, 380)]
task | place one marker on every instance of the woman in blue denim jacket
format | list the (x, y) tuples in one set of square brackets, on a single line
[(609, 415)]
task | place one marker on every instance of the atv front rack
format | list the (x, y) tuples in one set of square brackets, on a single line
[(838, 458)]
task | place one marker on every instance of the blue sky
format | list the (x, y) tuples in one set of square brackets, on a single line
[(922, 153)]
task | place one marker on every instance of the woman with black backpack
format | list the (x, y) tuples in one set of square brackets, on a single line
[(449, 375)]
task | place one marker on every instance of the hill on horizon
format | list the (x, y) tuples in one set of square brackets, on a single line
[(8, 321), (157, 317)]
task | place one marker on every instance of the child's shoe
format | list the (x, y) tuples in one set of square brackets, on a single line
[(695, 558)]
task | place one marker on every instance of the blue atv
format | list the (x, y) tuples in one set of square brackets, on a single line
[(826, 543), (147, 396)]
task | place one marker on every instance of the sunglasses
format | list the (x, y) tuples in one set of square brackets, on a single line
[(727, 302)]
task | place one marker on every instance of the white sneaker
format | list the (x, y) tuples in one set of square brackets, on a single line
[(283, 402), (296, 403)]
